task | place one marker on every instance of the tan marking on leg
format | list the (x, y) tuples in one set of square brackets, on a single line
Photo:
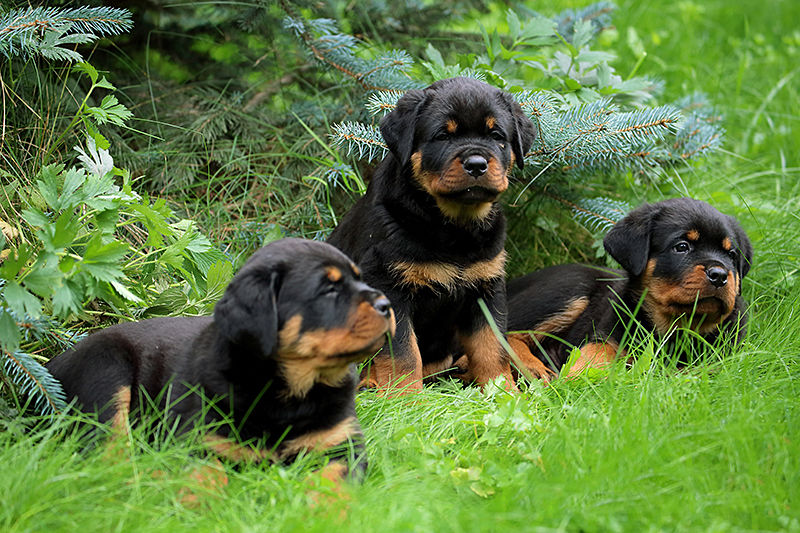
[(594, 355), (395, 375), (122, 409), (693, 235), (321, 440), (437, 367), (205, 481), (233, 451), (563, 320), (486, 357), (451, 126), (533, 364), (334, 471)]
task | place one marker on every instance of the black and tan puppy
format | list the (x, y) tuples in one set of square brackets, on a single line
[(684, 262), (429, 231), (276, 358)]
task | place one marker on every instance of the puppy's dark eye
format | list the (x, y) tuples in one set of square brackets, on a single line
[(330, 288), (497, 136), (682, 247), (732, 254), (441, 136)]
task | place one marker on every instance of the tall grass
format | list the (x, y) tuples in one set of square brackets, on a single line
[(713, 448)]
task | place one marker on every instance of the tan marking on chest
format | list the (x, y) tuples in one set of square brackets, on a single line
[(448, 275)]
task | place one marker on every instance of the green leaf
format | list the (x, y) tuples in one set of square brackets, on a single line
[(583, 33), (45, 276), (514, 25), (21, 301), (12, 264), (635, 43), (538, 30), (57, 236), (154, 221), (434, 55), (66, 300), (87, 69), (9, 332), (217, 279), (35, 218)]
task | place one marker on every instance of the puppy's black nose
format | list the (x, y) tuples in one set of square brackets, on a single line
[(476, 165), (717, 275), (382, 305)]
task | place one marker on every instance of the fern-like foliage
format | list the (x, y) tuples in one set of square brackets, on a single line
[(49, 30)]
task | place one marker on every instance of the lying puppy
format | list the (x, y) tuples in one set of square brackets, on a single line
[(684, 262), (276, 357), (429, 231)]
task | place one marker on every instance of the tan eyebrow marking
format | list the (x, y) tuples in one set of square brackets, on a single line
[(727, 244), (451, 125), (333, 273), (693, 235), (490, 122), (355, 269)]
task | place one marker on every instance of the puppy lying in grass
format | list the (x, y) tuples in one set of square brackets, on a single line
[(276, 359), (683, 265)]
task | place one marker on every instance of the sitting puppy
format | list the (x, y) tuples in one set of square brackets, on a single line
[(277, 358), (429, 231), (684, 262)]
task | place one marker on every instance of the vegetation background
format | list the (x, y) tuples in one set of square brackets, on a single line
[(228, 148)]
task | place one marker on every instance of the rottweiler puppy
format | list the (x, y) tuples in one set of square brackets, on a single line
[(430, 233), (683, 266), (276, 359)]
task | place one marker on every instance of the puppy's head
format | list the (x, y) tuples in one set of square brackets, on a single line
[(461, 137), (303, 302), (688, 256)]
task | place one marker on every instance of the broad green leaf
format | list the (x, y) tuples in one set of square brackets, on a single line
[(45, 276), (21, 301), (9, 332), (10, 267), (65, 300), (514, 25), (87, 69)]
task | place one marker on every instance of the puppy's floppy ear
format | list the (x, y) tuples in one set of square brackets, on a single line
[(744, 247), (398, 126), (248, 312), (628, 242), (525, 131)]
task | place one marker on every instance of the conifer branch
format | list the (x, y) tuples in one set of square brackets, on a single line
[(33, 380), (45, 30)]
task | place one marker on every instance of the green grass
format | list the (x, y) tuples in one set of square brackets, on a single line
[(716, 448)]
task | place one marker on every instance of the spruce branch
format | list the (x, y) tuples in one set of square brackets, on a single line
[(45, 30), (362, 140), (34, 381), (339, 51)]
